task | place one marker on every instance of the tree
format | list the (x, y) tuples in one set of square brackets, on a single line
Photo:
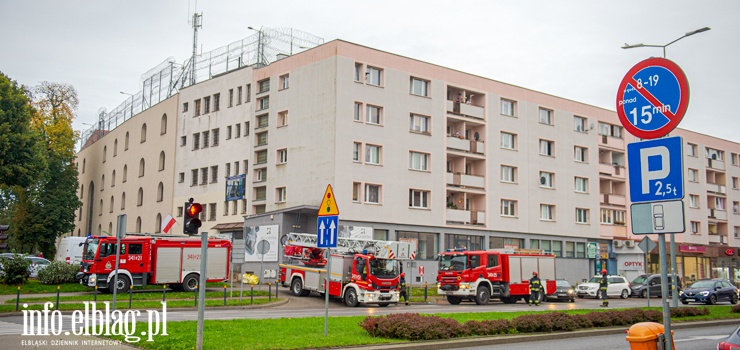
[(19, 159)]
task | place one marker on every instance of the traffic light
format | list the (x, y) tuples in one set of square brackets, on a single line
[(192, 223), (3, 236)]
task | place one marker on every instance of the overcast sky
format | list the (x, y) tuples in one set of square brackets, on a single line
[(571, 49)]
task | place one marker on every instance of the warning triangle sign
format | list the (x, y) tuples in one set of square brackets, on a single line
[(328, 203)]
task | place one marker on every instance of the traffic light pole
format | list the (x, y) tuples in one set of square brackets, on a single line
[(202, 289)]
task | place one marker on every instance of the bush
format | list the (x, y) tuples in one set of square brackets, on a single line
[(532, 323), (411, 327), (14, 270), (735, 309), (689, 311), (486, 327), (58, 272)]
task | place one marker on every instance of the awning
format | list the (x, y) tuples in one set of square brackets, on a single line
[(228, 226)]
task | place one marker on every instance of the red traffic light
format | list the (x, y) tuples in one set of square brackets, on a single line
[(194, 209)]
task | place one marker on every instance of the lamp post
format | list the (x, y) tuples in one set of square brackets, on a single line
[(674, 294), (132, 102), (260, 46)]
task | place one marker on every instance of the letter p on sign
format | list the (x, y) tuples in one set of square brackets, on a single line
[(648, 157)]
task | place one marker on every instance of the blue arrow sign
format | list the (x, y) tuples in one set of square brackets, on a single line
[(327, 231), (655, 170)]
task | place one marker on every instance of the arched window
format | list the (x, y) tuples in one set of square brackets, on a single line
[(111, 204), (115, 147), (138, 224), (123, 200), (125, 172), (82, 191), (164, 124), (143, 133), (158, 223), (101, 207), (79, 232), (161, 161), (141, 167), (100, 230), (125, 143), (105, 153), (110, 227), (84, 162), (102, 182), (113, 179), (140, 197), (160, 192)]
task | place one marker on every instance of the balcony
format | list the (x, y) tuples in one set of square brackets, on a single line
[(466, 217), (716, 188), (612, 142), (613, 199), (715, 164), (612, 170), (717, 214), (465, 109), (717, 239), (464, 180), (457, 143)]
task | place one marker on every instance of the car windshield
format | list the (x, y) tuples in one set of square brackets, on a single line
[(560, 283), (702, 284), (384, 268), (452, 262), (91, 246), (639, 280), (595, 279)]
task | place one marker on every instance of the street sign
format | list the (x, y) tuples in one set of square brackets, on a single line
[(657, 217), (328, 205), (327, 229), (655, 169), (421, 271), (652, 98), (647, 245)]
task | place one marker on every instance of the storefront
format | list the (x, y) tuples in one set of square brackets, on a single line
[(728, 265)]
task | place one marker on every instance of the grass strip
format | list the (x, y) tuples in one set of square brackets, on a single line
[(146, 304), (135, 296), (33, 286)]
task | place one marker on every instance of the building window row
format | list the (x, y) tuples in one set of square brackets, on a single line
[(202, 175), (372, 114), (368, 74), (367, 193)]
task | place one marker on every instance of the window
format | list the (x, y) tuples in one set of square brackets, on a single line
[(196, 141), (546, 116), (356, 189), (239, 95), (282, 156), (263, 86), (358, 112), (139, 198), (547, 212), (418, 161), (715, 154), (110, 207), (263, 103), (508, 141), (125, 148), (262, 121), (284, 81), (161, 160), (123, 201), (143, 133), (610, 130), (693, 201), (358, 72), (216, 136), (105, 153), (214, 174), (580, 124), (183, 140), (693, 175), (280, 194), (418, 199), (695, 227), (612, 217), (372, 154), (736, 207), (427, 243), (374, 76), (508, 107), (580, 250), (547, 179), (212, 211), (181, 177), (420, 124), (508, 173), (260, 193), (372, 194), (141, 167), (419, 87), (203, 176), (282, 118), (206, 104), (467, 242), (248, 96), (260, 157), (373, 115), (115, 148), (547, 148), (125, 173), (733, 159), (216, 102), (194, 177), (238, 130), (720, 203), (691, 150), (260, 175), (228, 169), (356, 149), (262, 139), (228, 132), (581, 216), (581, 184), (736, 231), (508, 207), (570, 249), (580, 154), (160, 192), (206, 136), (231, 97), (184, 106), (735, 183)]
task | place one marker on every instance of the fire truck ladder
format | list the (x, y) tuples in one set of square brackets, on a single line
[(344, 244)]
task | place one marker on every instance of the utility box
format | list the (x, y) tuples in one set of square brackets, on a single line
[(647, 336)]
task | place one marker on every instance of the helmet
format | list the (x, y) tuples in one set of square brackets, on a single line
[(603, 272), (403, 274), (534, 273)]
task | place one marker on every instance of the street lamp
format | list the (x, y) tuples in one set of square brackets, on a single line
[(700, 30), (132, 102), (260, 46)]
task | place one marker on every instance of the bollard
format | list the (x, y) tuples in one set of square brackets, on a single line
[(224, 295), (269, 291), (95, 295), (58, 287), (251, 294), (195, 296), (18, 298), (426, 286), (164, 292), (276, 289), (130, 295)]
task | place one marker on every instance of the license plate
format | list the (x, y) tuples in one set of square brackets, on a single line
[(690, 299)]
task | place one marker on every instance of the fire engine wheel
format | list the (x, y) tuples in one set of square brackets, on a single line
[(350, 298), (454, 300), (297, 288), (123, 284), (482, 295), (190, 282)]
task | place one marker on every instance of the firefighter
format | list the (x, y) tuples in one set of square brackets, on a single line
[(535, 286), (403, 289), (603, 285)]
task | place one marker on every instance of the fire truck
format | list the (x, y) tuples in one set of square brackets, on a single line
[(145, 260), (363, 271), (483, 274)]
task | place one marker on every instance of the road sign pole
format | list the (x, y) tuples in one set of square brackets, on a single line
[(674, 288), (202, 290), (664, 293), (326, 294)]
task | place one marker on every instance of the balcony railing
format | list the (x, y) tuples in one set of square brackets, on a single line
[(717, 239), (613, 199), (465, 109), (715, 164), (717, 214), (466, 217), (613, 170), (716, 188), (611, 141), (464, 180), (458, 143)]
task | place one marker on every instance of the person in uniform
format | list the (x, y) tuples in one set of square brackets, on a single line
[(403, 289), (603, 285), (535, 286)]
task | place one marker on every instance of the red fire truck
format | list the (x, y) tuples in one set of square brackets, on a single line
[(145, 260), (363, 271), (483, 274)]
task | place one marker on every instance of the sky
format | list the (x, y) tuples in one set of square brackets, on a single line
[(567, 48)]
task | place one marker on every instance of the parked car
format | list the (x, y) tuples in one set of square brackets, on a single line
[(639, 285), (732, 342), (709, 291), (563, 291), (37, 264), (618, 287)]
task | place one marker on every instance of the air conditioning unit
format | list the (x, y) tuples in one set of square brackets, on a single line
[(617, 243), (629, 243)]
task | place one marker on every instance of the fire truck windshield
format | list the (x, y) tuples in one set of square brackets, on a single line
[(90, 248), (452, 262), (384, 268)]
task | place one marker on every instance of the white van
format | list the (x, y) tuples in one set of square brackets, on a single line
[(70, 250)]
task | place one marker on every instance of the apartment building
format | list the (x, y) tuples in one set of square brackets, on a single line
[(435, 156)]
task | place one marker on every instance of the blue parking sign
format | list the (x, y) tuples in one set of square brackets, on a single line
[(655, 170)]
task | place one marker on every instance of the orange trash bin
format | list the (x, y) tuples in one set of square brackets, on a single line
[(645, 335)]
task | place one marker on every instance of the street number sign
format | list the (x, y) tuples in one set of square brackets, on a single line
[(652, 98), (655, 170)]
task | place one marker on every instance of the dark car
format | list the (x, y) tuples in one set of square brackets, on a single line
[(564, 291), (642, 283), (732, 342), (709, 291)]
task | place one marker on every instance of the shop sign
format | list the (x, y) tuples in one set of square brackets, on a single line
[(603, 251), (692, 249), (730, 251), (632, 265), (592, 250)]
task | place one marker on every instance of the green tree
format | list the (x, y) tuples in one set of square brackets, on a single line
[(19, 160)]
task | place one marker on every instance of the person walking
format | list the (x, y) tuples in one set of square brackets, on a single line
[(403, 289), (603, 285), (535, 286)]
